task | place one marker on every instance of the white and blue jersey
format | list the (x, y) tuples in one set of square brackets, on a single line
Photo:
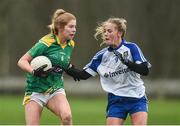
[(115, 77)]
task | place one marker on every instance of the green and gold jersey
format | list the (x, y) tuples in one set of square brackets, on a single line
[(50, 47)]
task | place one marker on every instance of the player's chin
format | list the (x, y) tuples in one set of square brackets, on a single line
[(108, 43)]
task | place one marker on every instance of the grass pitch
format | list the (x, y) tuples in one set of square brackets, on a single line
[(87, 111)]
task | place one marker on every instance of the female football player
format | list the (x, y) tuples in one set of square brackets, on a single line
[(119, 66), (46, 88)]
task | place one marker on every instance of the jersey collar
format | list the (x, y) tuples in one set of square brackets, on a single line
[(111, 49), (59, 42)]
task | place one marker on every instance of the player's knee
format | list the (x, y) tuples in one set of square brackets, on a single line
[(66, 118)]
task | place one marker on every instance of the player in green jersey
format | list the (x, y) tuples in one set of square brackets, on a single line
[(49, 90)]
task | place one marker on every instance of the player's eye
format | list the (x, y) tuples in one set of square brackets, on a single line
[(109, 31), (71, 26)]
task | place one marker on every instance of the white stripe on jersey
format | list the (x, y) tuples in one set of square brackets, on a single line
[(44, 43), (141, 55), (139, 50)]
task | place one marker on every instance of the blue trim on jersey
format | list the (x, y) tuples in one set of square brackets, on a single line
[(136, 52), (111, 49), (96, 61), (120, 107)]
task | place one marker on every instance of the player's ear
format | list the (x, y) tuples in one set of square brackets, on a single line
[(119, 34)]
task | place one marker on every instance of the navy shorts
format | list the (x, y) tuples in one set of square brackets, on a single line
[(120, 107)]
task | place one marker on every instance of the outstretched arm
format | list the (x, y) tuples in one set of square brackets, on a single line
[(74, 72), (78, 74)]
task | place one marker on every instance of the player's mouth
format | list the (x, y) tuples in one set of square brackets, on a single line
[(71, 35)]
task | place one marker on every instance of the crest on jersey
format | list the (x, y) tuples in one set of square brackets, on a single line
[(125, 54), (116, 59), (119, 55)]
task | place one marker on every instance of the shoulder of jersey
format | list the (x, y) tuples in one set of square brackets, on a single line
[(101, 52), (48, 39), (130, 44)]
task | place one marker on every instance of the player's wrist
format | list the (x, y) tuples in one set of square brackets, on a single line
[(57, 69), (125, 61), (35, 73), (32, 72), (69, 66)]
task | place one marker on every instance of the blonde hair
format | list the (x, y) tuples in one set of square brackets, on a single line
[(119, 22), (60, 19)]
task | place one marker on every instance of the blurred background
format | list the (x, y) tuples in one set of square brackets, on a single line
[(152, 24)]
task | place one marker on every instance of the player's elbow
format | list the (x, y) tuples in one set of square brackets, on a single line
[(19, 62)]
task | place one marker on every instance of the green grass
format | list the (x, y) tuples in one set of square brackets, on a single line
[(88, 111)]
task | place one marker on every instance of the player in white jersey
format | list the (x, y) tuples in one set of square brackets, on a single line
[(119, 66)]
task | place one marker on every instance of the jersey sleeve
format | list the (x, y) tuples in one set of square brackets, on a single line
[(92, 66), (48, 40), (38, 49), (137, 55), (42, 45)]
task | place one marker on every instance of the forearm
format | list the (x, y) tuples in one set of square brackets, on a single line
[(138, 68), (23, 63), (80, 74)]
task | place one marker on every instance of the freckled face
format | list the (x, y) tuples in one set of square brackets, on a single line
[(111, 35)]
